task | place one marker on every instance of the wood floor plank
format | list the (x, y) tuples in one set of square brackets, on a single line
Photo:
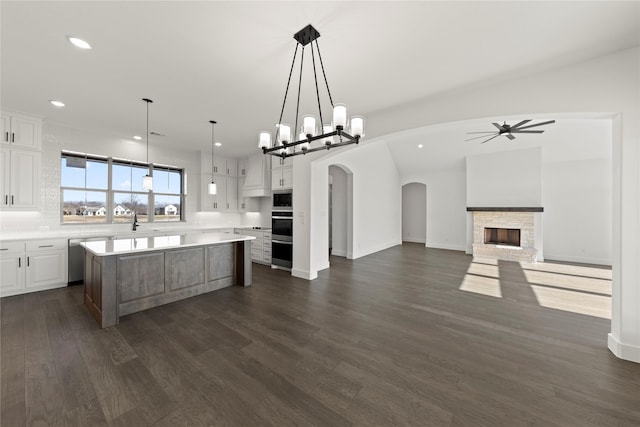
[(399, 337)]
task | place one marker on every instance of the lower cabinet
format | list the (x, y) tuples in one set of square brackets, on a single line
[(261, 246), (32, 266)]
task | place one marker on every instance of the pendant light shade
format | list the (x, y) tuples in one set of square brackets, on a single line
[(147, 180), (212, 187)]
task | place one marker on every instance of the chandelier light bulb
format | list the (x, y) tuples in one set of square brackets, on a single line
[(284, 134), (308, 126), (340, 116), (265, 139), (327, 129), (357, 126)]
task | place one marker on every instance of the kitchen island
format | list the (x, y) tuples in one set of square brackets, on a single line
[(127, 275)]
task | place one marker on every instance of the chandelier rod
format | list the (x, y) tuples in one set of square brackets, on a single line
[(323, 73), (295, 128), (315, 77), (286, 91)]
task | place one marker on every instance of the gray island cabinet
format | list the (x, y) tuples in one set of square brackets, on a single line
[(127, 275)]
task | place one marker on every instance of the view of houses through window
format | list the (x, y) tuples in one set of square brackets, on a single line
[(97, 189)]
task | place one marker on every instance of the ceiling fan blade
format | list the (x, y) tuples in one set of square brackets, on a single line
[(495, 136), (517, 125), (480, 132), (500, 128), (528, 131), (511, 137), (537, 124), (481, 136)]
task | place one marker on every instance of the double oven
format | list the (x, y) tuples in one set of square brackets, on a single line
[(282, 229)]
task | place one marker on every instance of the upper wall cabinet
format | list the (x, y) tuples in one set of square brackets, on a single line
[(20, 131), (19, 179)]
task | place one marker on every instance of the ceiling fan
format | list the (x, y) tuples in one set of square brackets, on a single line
[(508, 130)]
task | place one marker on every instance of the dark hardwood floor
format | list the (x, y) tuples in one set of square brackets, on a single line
[(386, 340)]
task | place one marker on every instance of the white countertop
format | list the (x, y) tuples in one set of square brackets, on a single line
[(123, 245)]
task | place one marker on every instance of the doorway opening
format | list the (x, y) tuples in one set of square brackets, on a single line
[(340, 212), (414, 213)]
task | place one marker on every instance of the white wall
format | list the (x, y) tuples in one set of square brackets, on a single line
[(414, 212), (377, 201), (339, 211), (505, 179), (609, 85)]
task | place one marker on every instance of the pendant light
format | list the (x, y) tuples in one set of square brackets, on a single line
[(147, 180), (213, 188)]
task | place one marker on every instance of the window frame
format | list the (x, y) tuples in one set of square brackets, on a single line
[(110, 192)]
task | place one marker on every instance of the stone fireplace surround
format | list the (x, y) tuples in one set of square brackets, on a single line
[(523, 218)]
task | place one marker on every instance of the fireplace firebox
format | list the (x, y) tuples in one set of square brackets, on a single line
[(502, 236)]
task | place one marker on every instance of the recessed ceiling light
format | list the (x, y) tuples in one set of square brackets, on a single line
[(218, 144), (137, 137), (56, 103), (79, 42), (420, 145)]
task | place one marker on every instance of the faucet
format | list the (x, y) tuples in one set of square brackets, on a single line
[(134, 226)]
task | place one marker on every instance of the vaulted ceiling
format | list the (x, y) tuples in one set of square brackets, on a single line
[(229, 61)]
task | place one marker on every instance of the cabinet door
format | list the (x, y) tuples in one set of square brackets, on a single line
[(5, 177), (287, 180), (219, 165), (46, 268), (242, 201), (5, 128), (276, 178), (242, 167), (24, 181), (25, 132), (232, 194), (232, 168), (11, 273)]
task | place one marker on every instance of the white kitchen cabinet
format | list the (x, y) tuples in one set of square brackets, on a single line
[(282, 178), (33, 266), (225, 200), (261, 246), (20, 179), (242, 168), (19, 130), (246, 204)]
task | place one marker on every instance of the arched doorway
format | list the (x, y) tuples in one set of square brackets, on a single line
[(414, 213)]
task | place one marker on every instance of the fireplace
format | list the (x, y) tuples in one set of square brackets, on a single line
[(507, 233), (502, 236)]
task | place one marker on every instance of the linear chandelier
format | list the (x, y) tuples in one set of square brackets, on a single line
[(329, 135)]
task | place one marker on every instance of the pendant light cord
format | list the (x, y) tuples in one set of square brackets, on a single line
[(213, 125)]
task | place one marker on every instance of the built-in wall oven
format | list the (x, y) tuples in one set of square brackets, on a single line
[(282, 238)]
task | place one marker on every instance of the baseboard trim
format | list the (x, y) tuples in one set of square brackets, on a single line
[(413, 240), (581, 260), (304, 274), (338, 253), (446, 246), (623, 351)]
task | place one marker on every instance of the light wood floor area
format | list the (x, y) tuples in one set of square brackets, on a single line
[(407, 336)]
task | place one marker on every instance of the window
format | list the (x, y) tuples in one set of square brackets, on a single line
[(97, 189), (83, 187)]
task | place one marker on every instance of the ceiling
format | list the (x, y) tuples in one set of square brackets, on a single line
[(229, 61)]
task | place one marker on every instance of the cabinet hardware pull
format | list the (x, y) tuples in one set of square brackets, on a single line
[(12, 199), (6, 199), (19, 262), (45, 246), (4, 249), (28, 261), (6, 136), (13, 137)]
